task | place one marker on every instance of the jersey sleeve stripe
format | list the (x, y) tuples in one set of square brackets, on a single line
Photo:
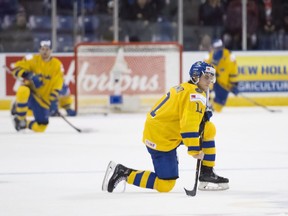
[(208, 144), (190, 135), (194, 148)]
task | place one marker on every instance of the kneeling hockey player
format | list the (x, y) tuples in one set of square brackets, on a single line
[(42, 77), (178, 117)]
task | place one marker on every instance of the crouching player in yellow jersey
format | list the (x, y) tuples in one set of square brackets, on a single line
[(42, 77), (175, 119), (226, 72)]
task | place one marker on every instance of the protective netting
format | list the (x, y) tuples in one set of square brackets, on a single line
[(140, 73)]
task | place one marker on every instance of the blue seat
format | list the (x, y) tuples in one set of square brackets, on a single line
[(164, 31), (89, 38), (65, 24), (65, 43), (90, 24), (40, 23)]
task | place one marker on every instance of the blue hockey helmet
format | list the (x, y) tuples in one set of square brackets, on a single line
[(199, 68)]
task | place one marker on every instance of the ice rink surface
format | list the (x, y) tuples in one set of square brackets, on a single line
[(60, 172)]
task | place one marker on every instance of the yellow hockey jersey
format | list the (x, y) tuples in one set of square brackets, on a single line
[(226, 70), (51, 74), (175, 118)]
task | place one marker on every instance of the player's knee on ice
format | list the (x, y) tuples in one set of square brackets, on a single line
[(209, 131), (37, 127), (162, 185)]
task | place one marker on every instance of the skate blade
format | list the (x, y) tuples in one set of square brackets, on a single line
[(109, 171), (208, 186)]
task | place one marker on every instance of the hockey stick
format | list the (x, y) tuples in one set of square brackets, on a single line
[(257, 104), (198, 165), (64, 118), (194, 190), (58, 113)]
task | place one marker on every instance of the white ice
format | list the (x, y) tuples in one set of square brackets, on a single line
[(60, 172)]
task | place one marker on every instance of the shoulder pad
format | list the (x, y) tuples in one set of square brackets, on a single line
[(62, 68), (232, 57), (56, 61), (28, 57), (178, 88)]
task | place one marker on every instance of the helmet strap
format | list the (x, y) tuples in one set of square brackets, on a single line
[(195, 80)]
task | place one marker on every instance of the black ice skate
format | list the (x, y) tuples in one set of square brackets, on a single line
[(19, 124), (13, 109), (119, 173), (211, 181)]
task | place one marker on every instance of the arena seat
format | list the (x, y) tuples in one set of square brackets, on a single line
[(65, 43), (40, 23), (65, 24)]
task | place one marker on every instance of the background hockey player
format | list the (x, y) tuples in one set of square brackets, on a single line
[(175, 119), (226, 72), (42, 77)]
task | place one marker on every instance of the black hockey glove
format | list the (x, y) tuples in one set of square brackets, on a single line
[(208, 114)]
